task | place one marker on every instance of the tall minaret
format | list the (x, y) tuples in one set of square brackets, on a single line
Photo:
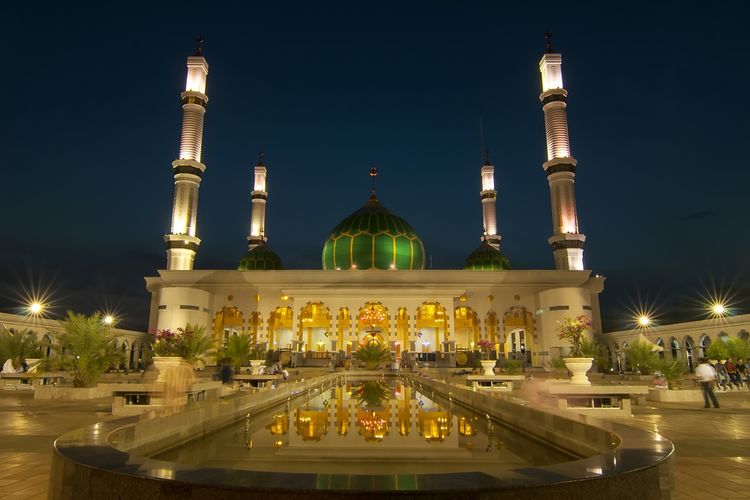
[(566, 242), (181, 242), (489, 199), (259, 197)]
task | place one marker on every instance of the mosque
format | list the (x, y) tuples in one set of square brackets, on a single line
[(373, 286)]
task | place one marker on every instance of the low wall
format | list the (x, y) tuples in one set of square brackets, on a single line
[(676, 395), (108, 460), (72, 393)]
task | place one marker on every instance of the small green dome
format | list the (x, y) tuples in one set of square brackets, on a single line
[(373, 237), (487, 258), (260, 258)]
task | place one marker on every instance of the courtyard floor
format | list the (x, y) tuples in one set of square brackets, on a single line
[(712, 457)]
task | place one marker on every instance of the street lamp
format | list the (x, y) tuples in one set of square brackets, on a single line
[(36, 308), (108, 320), (644, 321), (718, 310)]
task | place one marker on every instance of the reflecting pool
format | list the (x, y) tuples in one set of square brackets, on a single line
[(366, 427)]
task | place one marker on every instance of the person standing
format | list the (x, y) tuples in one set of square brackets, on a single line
[(706, 375)]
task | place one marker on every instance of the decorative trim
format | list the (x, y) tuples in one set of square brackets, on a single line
[(489, 194), (192, 308), (256, 195), (564, 244), (559, 308), (554, 98), (189, 245), (187, 169), (560, 167), (194, 99)]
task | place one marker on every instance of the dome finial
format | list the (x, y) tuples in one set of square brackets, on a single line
[(548, 42), (373, 174), (199, 41), (260, 158)]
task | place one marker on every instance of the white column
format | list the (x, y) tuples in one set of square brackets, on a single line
[(182, 242), (258, 197), (489, 201), (566, 241)]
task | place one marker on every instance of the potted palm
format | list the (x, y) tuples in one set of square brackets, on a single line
[(172, 346), (488, 365), (571, 329)]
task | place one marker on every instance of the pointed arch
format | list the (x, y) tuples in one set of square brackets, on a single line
[(432, 325), (280, 328), (314, 321)]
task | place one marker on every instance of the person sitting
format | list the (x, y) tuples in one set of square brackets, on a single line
[(659, 382)]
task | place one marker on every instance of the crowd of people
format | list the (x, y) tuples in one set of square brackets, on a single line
[(730, 373)]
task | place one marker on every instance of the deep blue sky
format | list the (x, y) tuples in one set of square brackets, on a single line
[(657, 117)]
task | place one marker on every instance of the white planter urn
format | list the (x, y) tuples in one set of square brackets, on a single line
[(488, 365), (163, 365), (255, 365), (579, 367)]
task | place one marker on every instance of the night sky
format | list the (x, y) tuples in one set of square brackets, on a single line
[(657, 115)]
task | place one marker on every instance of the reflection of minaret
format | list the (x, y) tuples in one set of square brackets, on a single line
[(566, 242), (181, 243), (489, 199), (259, 197)]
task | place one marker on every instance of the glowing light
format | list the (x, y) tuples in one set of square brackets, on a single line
[(551, 69), (36, 308), (644, 320), (196, 75), (718, 309), (108, 319)]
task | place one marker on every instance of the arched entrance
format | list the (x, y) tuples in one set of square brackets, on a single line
[(520, 330), (660, 352), (432, 326), (703, 344), (343, 327), (280, 331), (674, 346), (689, 353), (228, 321), (314, 326), (467, 327), (372, 323)]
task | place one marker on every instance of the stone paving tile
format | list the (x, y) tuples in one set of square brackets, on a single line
[(712, 458)]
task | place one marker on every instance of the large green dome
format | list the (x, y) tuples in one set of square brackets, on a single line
[(487, 258), (260, 258), (373, 237)]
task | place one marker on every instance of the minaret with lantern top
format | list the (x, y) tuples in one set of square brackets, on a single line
[(489, 202), (560, 167), (182, 242), (259, 197)]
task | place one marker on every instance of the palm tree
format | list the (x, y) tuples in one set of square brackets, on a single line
[(641, 357), (15, 346), (238, 349), (373, 355), (89, 348), (194, 343)]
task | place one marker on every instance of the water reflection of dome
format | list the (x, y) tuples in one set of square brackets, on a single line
[(280, 424), (467, 426), (312, 425), (373, 425), (434, 426)]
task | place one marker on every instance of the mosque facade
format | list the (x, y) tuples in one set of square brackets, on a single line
[(373, 285)]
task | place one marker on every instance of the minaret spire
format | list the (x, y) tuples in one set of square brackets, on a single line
[(259, 198), (373, 174), (566, 241), (181, 242), (489, 198)]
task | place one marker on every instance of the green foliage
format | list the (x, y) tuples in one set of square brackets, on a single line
[(89, 348), (194, 343), (15, 346), (593, 349), (371, 393), (373, 355), (239, 349), (641, 357), (511, 366), (557, 364), (673, 369), (738, 348), (718, 350), (571, 329)]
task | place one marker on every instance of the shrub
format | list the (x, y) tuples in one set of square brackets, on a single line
[(641, 357), (571, 329), (373, 355), (673, 369), (15, 346), (239, 349), (89, 348), (190, 343)]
